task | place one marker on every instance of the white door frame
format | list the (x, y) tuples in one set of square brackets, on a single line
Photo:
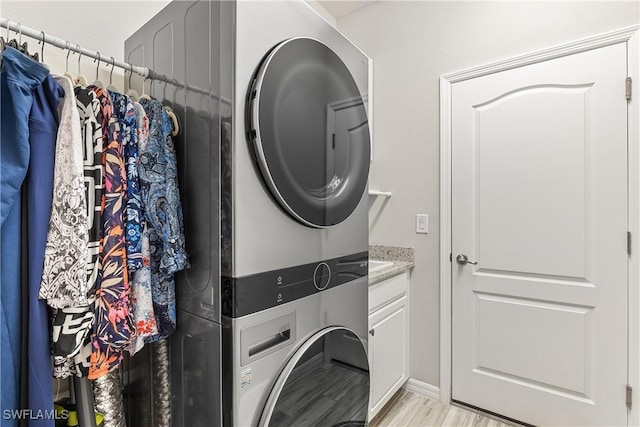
[(630, 35)]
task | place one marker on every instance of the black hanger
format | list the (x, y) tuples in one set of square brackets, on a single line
[(17, 44), (4, 43)]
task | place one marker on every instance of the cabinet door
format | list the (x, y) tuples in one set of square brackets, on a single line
[(388, 352)]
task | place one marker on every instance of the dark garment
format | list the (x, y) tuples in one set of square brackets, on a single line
[(128, 138), (113, 321), (43, 128), (163, 210), (20, 75), (91, 120)]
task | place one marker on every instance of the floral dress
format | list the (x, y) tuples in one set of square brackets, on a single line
[(141, 294), (161, 197), (113, 323), (134, 211)]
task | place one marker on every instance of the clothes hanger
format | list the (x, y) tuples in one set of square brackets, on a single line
[(111, 87), (12, 42), (80, 80), (4, 43), (144, 95), (98, 82), (67, 74), (131, 93), (42, 52), (174, 118), (23, 47)]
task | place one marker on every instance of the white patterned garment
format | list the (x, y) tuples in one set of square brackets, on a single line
[(141, 296), (64, 278)]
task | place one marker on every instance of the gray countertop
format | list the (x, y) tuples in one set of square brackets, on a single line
[(403, 259), (388, 272)]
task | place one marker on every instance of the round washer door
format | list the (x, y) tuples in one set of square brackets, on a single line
[(326, 383), (310, 132)]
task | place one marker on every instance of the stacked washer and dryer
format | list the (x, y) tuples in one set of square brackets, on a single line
[(273, 159)]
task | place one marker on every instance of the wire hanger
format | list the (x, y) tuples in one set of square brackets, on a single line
[(80, 80), (111, 87), (67, 74), (24, 47), (98, 82), (42, 52), (4, 42), (143, 95), (131, 93), (11, 42)]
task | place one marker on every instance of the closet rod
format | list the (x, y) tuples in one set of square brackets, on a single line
[(63, 44)]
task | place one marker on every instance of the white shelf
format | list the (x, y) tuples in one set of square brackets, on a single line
[(380, 193)]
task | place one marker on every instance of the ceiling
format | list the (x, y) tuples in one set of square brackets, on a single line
[(340, 8)]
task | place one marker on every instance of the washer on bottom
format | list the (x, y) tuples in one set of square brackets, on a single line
[(301, 363)]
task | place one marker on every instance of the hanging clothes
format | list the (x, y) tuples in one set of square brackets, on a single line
[(72, 325), (134, 212), (64, 279), (19, 76), (91, 118), (43, 128), (113, 323), (159, 183), (142, 297)]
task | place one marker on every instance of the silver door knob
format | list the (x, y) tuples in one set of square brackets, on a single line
[(462, 260)]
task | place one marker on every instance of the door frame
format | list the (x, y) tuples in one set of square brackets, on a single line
[(630, 35)]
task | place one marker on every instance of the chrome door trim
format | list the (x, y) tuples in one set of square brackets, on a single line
[(283, 376), (254, 101)]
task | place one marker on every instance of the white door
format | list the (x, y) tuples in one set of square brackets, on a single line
[(539, 201)]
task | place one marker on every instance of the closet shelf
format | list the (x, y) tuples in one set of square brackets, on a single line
[(380, 193)]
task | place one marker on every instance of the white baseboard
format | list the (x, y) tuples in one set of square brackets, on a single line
[(425, 389)]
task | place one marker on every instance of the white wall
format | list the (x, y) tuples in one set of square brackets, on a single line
[(101, 26), (412, 45), (315, 5)]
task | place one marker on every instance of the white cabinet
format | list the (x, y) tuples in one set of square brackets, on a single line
[(388, 339)]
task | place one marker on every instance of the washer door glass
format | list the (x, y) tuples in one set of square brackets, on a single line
[(326, 383), (310, 132)]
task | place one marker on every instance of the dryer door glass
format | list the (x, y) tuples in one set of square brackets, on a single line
[(310, 131), (326, 383)]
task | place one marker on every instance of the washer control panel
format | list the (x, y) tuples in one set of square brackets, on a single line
[(250, 294)]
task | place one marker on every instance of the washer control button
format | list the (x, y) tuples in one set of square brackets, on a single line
[(322, 276)]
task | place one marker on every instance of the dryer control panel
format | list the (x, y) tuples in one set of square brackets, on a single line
[(250, 294)]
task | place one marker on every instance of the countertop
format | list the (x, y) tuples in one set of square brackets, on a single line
[(403, 259), (388, 272)]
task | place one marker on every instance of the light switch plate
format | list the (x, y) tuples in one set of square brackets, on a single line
[(422, 223)]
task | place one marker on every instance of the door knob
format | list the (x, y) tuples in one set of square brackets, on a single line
[(462, 260)]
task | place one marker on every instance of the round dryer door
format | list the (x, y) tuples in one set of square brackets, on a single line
[(326, 383), (310, 132)]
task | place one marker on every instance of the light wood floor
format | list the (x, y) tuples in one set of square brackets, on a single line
[(407, 409)]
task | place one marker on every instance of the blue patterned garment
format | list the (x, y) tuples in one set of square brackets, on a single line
[(134, 212), (161, 197)]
